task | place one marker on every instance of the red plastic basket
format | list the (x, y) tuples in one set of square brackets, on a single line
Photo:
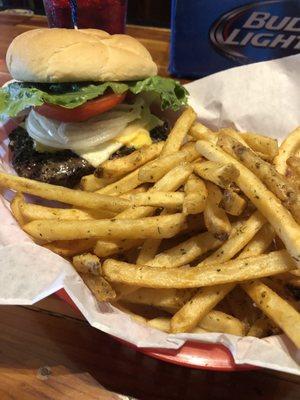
[(209, 356)]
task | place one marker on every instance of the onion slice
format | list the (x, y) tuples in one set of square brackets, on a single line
[(82, 135)]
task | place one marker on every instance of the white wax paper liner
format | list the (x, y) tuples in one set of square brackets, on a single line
[(262, 97)]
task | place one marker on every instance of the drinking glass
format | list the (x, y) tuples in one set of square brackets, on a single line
[(108, 15)]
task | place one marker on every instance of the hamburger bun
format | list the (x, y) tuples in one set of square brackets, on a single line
[(69, 55)]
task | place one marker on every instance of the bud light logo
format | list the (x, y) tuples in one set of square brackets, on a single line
[(258, 31)]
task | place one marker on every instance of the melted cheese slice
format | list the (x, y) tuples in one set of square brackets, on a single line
[(134, 135), (101, 153)]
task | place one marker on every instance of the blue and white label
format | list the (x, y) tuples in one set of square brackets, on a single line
[(210, 36)]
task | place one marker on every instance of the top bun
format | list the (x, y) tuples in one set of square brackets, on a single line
[(70, 55)]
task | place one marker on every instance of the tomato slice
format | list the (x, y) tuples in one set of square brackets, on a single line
[(81, 113)]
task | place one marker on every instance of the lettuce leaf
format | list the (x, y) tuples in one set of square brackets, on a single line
[(18, 96)]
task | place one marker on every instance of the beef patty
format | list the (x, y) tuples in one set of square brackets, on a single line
[(62, 168)]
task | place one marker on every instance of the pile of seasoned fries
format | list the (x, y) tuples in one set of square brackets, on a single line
[(196, 234)]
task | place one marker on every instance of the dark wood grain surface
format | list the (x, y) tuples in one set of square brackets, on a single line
[(78, 356), (47, 352)]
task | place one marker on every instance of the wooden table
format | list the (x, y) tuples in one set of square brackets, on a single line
[(47, 352)]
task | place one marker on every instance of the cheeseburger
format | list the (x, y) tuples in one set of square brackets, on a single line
[(83, 96)]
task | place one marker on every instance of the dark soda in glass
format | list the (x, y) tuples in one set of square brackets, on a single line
[(108, 15)]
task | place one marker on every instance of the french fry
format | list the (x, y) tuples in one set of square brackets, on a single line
[(70, 248), (239, 239), (225, 146), (153, 227), (123, 290), (261, 144), (260, 243), (185, 252), (218, 321), (149, 248), (139, 189), (179, 132), (214, 321), (293, 170), (90, 183), (118, 167), (215, 218), (170, 200), (175, 178), (163, 324), (59, 193), (195, 309), (165, 299), (265, 201), (156, 169), (276, 308), (105, 248), (123, 185), (234, 134), (277, 183), (293, 173), (287, 149), (170, 182), (32, 212), (261, 328), (282, 290), (148, 251), (136, 212), (160, 323), (294, 163), (100, 288), (293, 179), (16, 208), (239, 136), (186, 277), (222, 175), (232, 203), (195, 195), (87, 263), (199, 131)]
